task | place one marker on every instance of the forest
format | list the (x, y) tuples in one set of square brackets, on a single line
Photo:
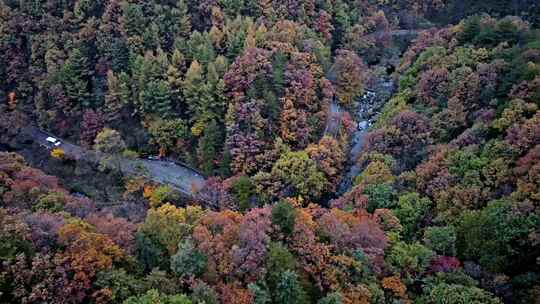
[(338, 151)]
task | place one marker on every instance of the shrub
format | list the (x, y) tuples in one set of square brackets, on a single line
[(58, 153), (130, 154), (161, 195)]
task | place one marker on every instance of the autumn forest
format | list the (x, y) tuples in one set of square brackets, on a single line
[(270, 151)]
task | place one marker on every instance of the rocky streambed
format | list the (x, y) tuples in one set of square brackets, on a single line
[(366, 112)]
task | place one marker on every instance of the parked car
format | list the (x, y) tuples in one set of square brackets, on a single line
[(53, 141), (153, 157)]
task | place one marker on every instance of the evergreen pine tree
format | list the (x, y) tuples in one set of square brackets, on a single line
[(156, 98), (209, 146), (216, 108), (198, 97), (200, 48), (134, 21), (184, 22), (113, 100), (175, 81), (124, 89), (225, 164), (75, 78)]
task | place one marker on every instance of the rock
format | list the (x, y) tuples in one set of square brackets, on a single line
[(363, 125)]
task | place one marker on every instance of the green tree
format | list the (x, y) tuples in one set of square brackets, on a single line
[(161, 195), (225, 164), (380, 195), (289, 290), (75, 77), (168, 134), (188, 261), (410, 259), (243, 190), (279, 62), (260, 293), (441, 239), (113, 99), (198, 97), (210, 145), (124, 86), (149, 252), (156, 97), (109, 141), (134, 20), (168, 225), (297, 171), (154, 297), (216, 109), (151, 90), (496, 236), (200, 48), (162, 281), (284, 216), (278, 261), (120, 283), (410, 210), (53, 201), (333, 298), (175, 79), (202, 293), (184, 22), (457, 294)]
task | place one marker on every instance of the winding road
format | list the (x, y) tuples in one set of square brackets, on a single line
[(181, 178)]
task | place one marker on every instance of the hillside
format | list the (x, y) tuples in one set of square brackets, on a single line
[(269, 152)]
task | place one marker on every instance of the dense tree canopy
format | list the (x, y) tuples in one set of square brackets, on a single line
[(354, 151)]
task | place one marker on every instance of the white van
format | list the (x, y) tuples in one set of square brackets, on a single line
[(53, 141)]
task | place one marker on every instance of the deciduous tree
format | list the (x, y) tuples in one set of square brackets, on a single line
[(349, 72)]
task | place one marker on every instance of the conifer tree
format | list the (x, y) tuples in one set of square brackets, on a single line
[(216, 108), (75, 78), (125, 90), (209, 146), (156, 98), (134, 21), (113, 100), (175, 81), (200, 48), (184, 22), (198, 97)]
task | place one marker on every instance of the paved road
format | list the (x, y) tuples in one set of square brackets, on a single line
[(181, 178)]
